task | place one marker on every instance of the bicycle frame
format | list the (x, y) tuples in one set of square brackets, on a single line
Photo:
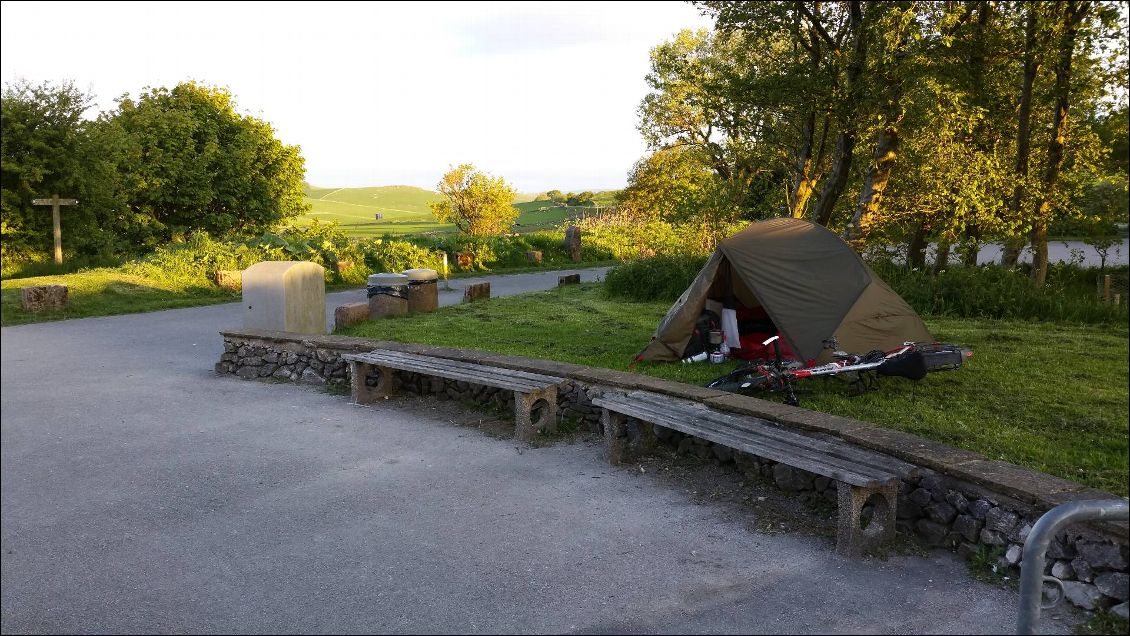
[(778, 376)]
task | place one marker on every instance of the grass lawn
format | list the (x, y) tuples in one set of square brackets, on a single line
[(1052, 397), (106, 292)]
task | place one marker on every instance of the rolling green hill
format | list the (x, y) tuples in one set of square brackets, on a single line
[(404, 210)]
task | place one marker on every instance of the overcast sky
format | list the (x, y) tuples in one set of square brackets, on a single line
[(542, 94)]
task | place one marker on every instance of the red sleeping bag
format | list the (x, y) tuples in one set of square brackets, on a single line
[(754, 328)]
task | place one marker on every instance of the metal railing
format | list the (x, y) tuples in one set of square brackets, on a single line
[(1032, 577)]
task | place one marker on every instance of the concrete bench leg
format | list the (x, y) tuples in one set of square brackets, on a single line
[(363, 393), (615, 435), (852, 539), (525, 426)]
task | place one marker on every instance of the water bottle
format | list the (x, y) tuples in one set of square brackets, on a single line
[(697, 358)]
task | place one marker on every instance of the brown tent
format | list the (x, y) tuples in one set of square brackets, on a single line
[(811, 284)]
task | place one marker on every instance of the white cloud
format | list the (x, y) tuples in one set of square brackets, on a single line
[(543, 94)]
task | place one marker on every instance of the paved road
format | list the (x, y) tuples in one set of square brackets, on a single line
[(143, 493)]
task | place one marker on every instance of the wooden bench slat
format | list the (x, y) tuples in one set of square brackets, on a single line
[(764, 428), (456, 370), (406, 361), (770, 448), (457, 364)]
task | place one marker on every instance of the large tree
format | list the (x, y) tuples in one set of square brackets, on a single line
[(191, 161), (475, 202)]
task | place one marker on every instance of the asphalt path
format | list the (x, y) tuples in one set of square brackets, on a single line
[(142, 493)]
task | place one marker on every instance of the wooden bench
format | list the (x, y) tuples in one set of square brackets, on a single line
[(862, 476), (535, 396)]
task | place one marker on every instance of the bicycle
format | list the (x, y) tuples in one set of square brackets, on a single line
[(912, 360)]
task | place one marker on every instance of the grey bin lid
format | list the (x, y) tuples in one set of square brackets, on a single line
[(388, 280), (417, 275)]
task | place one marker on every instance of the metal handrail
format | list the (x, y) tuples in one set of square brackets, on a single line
[(1036, 546)]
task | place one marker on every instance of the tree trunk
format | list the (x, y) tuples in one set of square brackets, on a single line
[(972, 248), (845, 141), (1012, 247), (1073, 12), (916, 251), (878, 175), (972, 235), (942, 259), (803, 183)]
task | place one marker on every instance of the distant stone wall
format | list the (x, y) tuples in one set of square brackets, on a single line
[(961, 502)]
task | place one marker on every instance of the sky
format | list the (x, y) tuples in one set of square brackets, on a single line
[(541, 94)]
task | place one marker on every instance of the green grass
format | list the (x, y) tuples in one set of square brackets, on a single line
[(1048, 396), (107, 292), (405, 210)]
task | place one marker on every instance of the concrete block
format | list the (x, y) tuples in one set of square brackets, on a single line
[(229, 279), (477, 291), (350, 314), (40, 297), (285, 296)]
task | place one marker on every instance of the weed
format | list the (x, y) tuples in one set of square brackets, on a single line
[(985, 565), (1103, 623)]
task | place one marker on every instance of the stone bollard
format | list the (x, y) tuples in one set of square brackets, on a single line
[(350, 314), (533, 256), (572, 242), (477, 291), (388, 295), (571, 279), (423, 290), (229, 279), (40, 297)]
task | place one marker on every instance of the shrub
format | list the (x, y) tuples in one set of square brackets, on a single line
[(658, 278), (396, 255), (994, 292)]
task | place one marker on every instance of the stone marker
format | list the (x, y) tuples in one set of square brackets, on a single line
[(230, 279), (285, 296), (350, 314), (571, 279), (533, 256), (40, 297), (477, 291), (572, 242)]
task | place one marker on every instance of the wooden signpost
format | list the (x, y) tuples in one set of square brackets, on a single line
[(55, 202)]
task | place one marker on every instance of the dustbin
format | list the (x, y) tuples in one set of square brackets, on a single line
[(388, 295), (423, 290)]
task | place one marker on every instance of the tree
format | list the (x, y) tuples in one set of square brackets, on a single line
[(48, 148), (475, 202), (556, 196), (678, 185), (191, 161)]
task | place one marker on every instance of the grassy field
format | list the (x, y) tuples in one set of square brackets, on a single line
[(1048, 396), (107, 292), (404, 210)]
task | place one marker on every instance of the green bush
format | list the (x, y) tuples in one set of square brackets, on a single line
[(396, 255), (510, 250), (658, 278), (994, 292)]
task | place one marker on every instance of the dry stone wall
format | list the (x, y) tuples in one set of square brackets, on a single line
[(944, 511)]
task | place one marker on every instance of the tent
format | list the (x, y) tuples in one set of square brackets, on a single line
[(808, 281)]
